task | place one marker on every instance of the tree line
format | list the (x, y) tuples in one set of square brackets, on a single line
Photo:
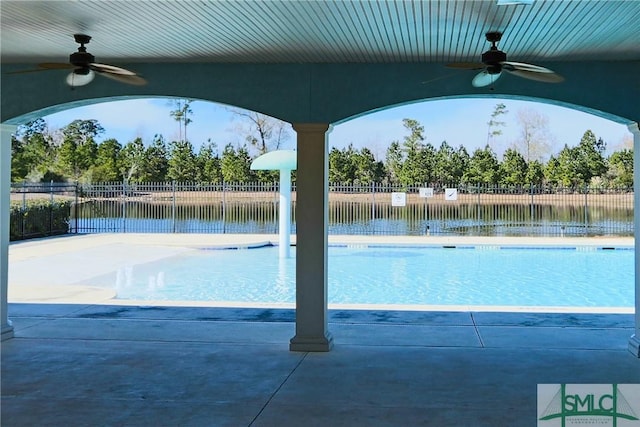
[(414, 161), (73, 154)]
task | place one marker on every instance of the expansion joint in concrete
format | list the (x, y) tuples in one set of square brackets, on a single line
[(634, 345), (7, 331)]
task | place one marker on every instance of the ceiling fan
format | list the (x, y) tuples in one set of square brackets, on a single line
[(85, 68), (494, 61)]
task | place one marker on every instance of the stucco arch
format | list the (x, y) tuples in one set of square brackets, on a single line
[(313, 97), (328, 93)]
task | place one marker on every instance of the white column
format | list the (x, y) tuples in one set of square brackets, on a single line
[(634, 341), (311, 242), (285, 213), (5, 191)]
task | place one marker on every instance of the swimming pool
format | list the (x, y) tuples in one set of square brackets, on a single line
[(480, 276)]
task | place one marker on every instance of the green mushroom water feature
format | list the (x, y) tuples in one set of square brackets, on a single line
[(285, 161)]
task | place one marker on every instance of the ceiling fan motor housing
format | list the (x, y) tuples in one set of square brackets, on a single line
[(492, 59), (81, 59)]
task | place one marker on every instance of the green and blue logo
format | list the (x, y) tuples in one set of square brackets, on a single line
[(588, 404)]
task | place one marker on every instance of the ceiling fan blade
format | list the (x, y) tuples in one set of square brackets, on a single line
[(540, 77), (47, 66), (131, 79), (435, 79), (485, 79), (532, 72), (104, 68), (56, 65), (466, 65), (510, 65)]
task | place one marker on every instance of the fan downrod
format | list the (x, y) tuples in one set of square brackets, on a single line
[(81, 58), (493, 57)]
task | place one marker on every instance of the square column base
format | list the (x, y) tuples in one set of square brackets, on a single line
[(634, 345), (313, 344)]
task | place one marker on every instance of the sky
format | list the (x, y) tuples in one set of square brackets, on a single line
[(457, 121)]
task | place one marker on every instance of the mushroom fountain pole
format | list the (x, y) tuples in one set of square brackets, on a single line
[(285, 161)]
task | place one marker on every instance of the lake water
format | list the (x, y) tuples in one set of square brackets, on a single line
[(360, 219)]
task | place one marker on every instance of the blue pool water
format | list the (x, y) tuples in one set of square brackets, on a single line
[(575, 277)]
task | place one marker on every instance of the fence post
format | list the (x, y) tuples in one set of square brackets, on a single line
[(124, 206), (478, 211), (173, 206), (426, 214), (373, 207), (75, 207), (224, 207), (586, 209), (24, 209), (531, 209), (276, 197), (50, 206)]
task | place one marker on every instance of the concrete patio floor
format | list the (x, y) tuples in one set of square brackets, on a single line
[(110, 365), (80, 357)]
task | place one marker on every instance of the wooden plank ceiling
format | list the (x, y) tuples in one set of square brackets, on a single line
[(289, 31)]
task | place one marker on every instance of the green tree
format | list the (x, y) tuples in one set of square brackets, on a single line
[(414, 162), (235, 166), (156, 162), (568, 173), (19, 165), (535, 173), (351, 166), (483, 168), (450, 164), (411, 171), (552, 173), (620, 172), (419, 165), (590, 157), (342, 166), (183, 166), (32, 151), (107, 165), (368, 169), (393, 162), (181, 114), (132, 160), (209, 164), (494, 124), (459, 163), (79, 149), (513, 169)]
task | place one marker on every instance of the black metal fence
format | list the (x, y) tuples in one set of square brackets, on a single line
[(39, 210), (353, 209)]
